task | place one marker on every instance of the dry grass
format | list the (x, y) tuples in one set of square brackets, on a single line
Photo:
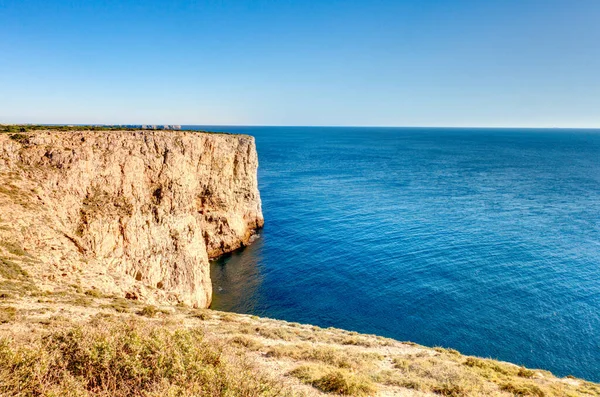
[(350, 338), (19, 287), (282, 333), (121, 305), (127, 358), (293, 332), (450, 374), (14, 249), (429, 373), (11, 270), (391, 365), (152, 356), (337, 357)]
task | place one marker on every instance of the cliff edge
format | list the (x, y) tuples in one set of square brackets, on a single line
[(136, 214)]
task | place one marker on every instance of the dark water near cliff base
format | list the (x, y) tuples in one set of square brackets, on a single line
[(486, 241)]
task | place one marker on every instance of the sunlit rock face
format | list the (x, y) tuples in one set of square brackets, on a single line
[(137, 214)]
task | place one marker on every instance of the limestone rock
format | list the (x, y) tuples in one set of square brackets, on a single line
[(132, 213)]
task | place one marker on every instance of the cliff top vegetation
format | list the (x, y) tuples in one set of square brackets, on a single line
[(76, 342), (24, 128)]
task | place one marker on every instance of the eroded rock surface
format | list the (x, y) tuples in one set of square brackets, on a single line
[(132, 213)]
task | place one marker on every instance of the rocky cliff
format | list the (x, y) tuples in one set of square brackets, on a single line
[(136, 214)]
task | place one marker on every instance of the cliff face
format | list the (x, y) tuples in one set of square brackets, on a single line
[(133, 213)]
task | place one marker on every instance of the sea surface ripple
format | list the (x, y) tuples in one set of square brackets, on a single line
[(483, 240)]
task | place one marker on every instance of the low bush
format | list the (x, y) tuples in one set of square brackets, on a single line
[(525, 373), (345, 383), (325, 354), (121, 305), (148, 311), (335, 381), (94, 293), (246, 342), (522, 389), (7, 314), (119, 359), (200, 314)]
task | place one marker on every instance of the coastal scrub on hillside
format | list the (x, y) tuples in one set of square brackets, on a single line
[(75, 342)]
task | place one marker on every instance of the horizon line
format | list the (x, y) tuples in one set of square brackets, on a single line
[(312, 126)]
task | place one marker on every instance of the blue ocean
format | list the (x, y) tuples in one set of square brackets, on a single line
[(483, 240)]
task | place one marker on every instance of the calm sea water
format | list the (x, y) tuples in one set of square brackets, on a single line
[(486, 241)]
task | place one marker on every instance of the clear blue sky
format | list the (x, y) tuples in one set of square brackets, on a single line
[(278, 62)]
